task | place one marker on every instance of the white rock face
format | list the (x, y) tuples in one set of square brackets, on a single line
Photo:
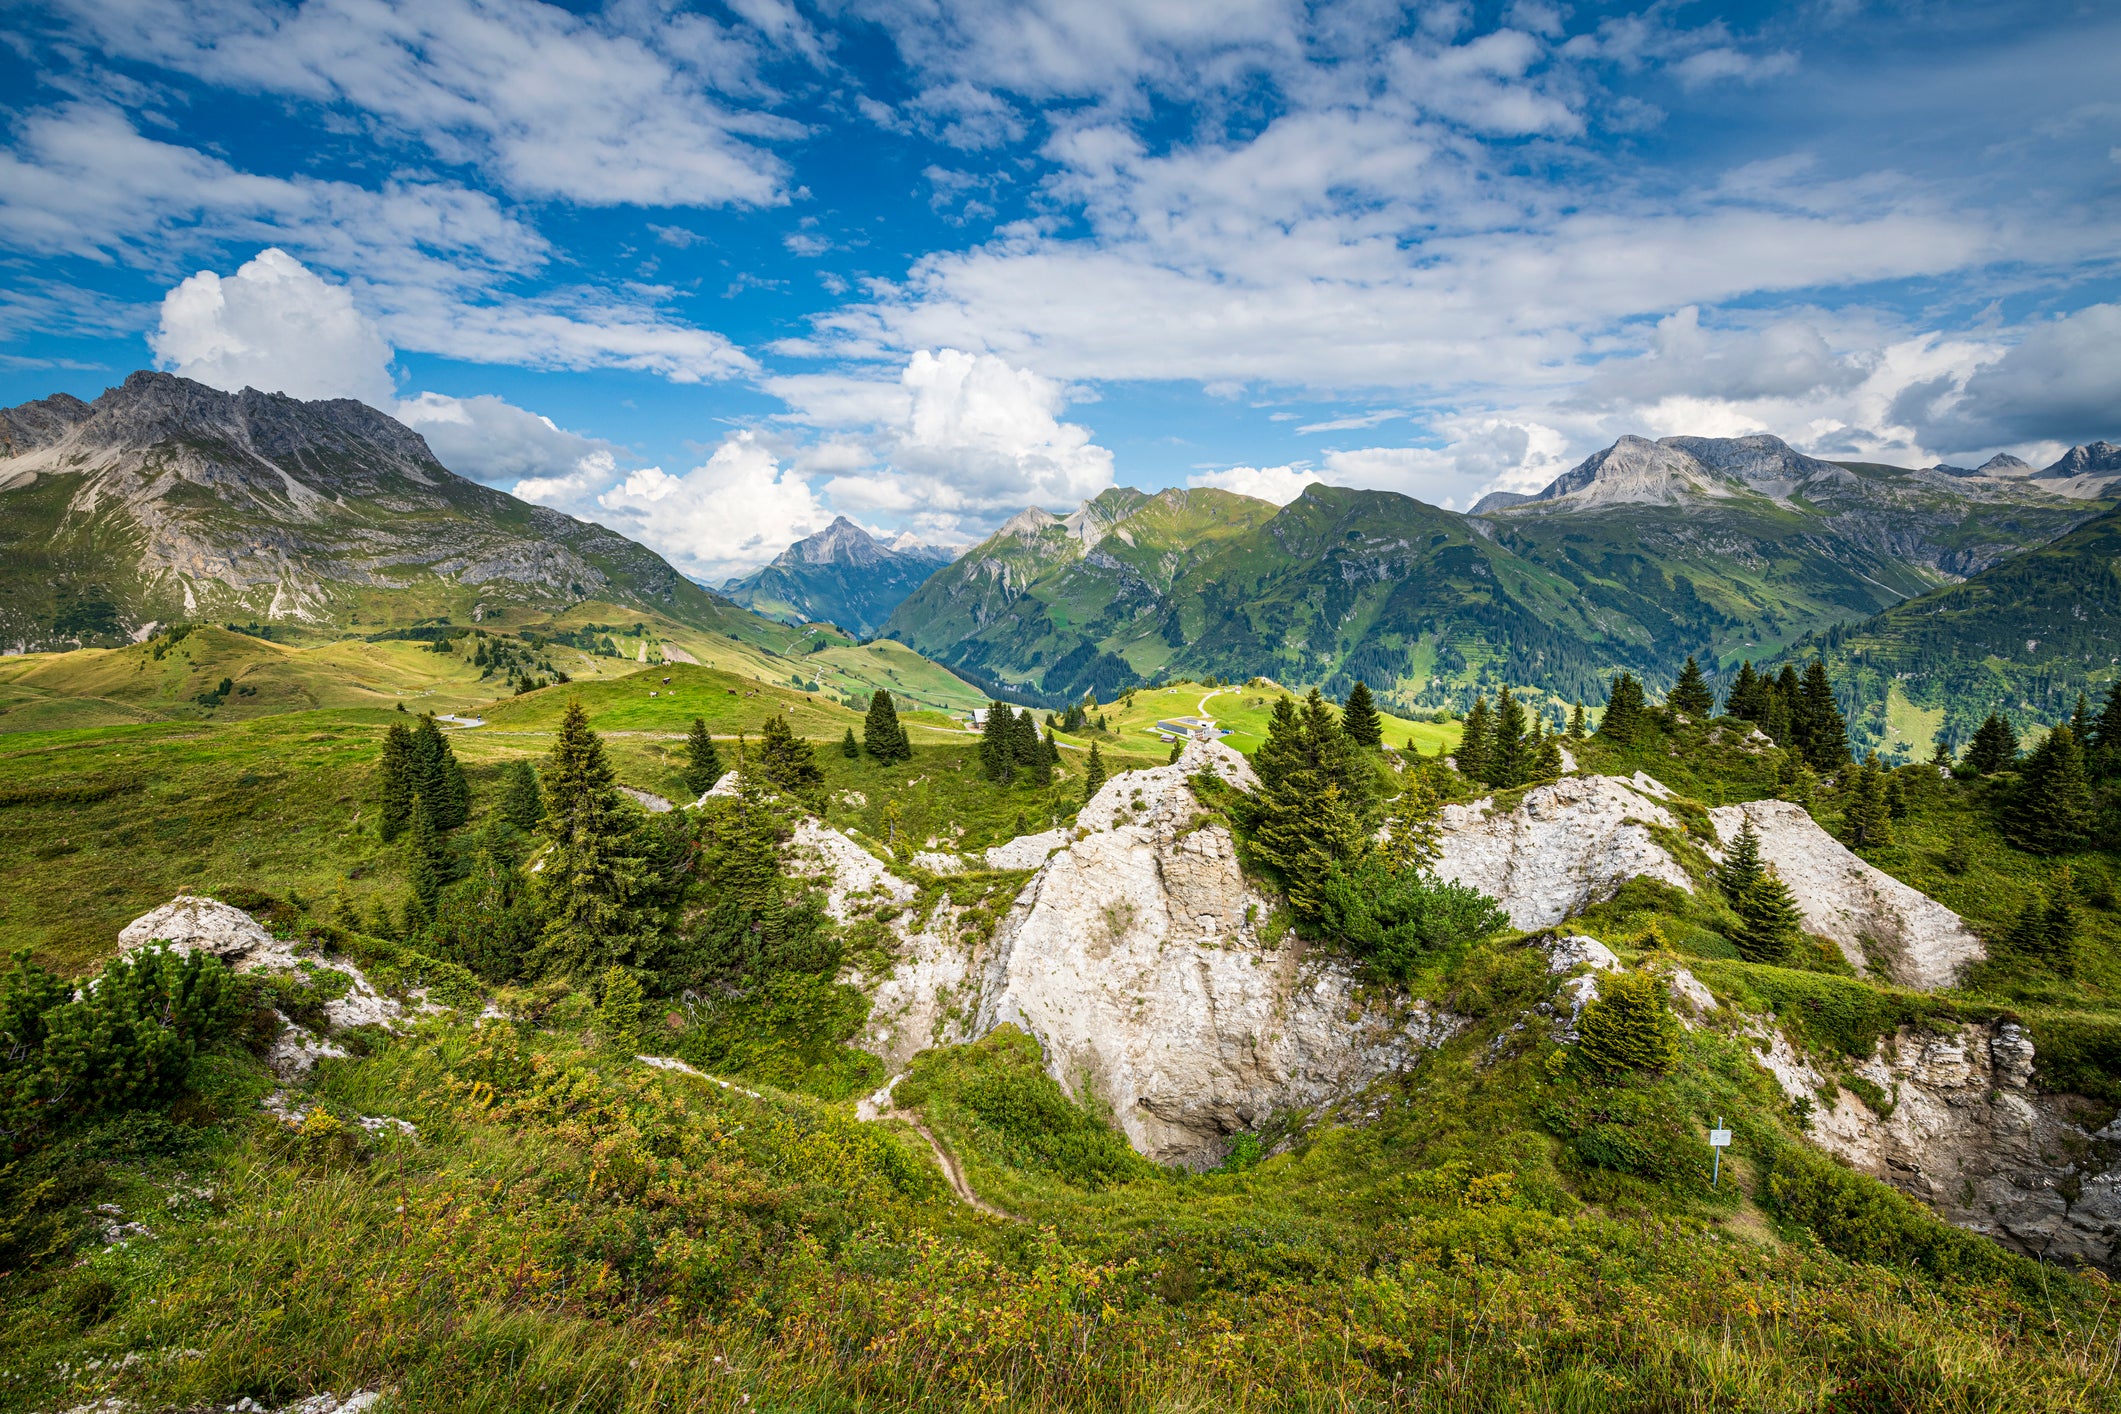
[(1880, 923), (1028, 851), (922, 1001), (1969, 1135), (1134, 957), (1568, 844)]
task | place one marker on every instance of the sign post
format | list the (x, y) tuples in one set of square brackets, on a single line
[(1719, 1140)]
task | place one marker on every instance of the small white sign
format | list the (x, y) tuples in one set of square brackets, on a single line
[(1719, 1139)]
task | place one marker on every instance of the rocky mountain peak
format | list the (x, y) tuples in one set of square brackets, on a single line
[(2092, 459), (840, 543)]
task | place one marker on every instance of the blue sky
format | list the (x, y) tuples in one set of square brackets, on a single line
[(712, 274)]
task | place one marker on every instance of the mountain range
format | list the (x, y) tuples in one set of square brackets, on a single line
[(842, 575), (166, 499), (1644, 553)]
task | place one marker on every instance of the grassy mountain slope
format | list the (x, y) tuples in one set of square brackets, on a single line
[(1647, 553), (2022, 637), (567, 1228), (1042, 604)]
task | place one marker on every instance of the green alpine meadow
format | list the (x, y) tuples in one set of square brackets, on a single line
[(1059, 706)]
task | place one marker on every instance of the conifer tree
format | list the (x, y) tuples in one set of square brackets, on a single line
[(1359, 718), (1690, 694), (438, 777), (594, 881), (619, 1011), (703, 762), (2081, 721), (786, 760), (882, 733), (849, 747), (1748, 695), (1994, 748), (1576, 722), (997, 748), (1866, 818), (1472, 753), (1629, 1028), (1741, 865), (426, 863), (1769, 921), (398, 786), (1826, 739), (1415, 836), (2046, 931), (1093, 774), (1544, 753), (1786, 719), (1895, 796), (2051, 811), (1507, 765), (522, 804), (1625, 711), (1317, 789)]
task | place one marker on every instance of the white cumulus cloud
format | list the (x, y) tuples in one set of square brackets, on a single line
[(275, 326), (732, 513)]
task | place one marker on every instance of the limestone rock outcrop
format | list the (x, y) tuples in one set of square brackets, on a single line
[(196, 923), (1968, 1132), (1569, 844), (1138, 957), (1880, 924)]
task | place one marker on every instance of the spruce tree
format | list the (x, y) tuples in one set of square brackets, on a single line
[(593, 883), (1994, 748), (1628, 1028), (1690, 694), (2046, 931), (1093, 774), (1769, 921), (1472, 753), (849, 747), (2081, 721), (1786, 720), (1359, 718), (1748, 695), (1317, 791), (437, 776), (1625, 712), (1741, 865), (703, 761), (1866, 817), (1577, 730), (1544, 753), (787, 760), (1826, 739), (521, 803), (2051, 811), (997, 750), (882, 732), (1507, 765), (397, 784), (426, 863)]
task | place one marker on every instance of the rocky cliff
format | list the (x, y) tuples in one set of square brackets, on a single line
[(1956, 1119)]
